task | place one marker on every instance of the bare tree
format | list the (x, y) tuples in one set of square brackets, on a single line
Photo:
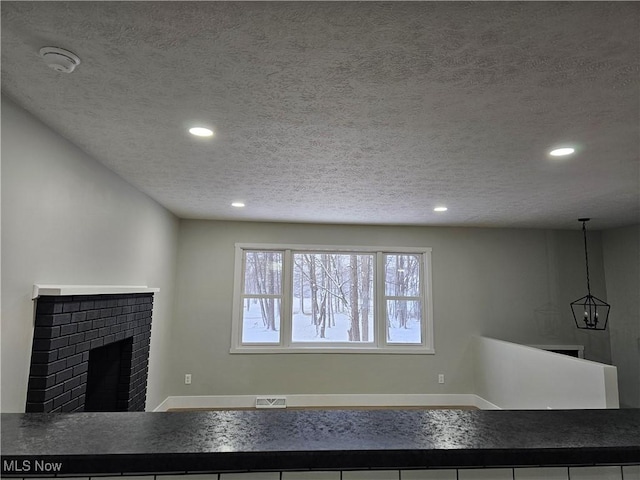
[(401, 291), (265, 280), (365, 295), (336, 284), (313, 281), (354, 331)]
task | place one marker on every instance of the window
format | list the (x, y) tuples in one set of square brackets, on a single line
[(261, 297), (302, 299)]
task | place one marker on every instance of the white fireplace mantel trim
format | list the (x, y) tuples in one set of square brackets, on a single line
[(60, 290)]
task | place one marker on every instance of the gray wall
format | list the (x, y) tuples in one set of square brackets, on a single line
[(511, 284), (622, 267), (66, 219)]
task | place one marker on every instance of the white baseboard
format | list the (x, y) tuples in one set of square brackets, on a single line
[(483, 404), (331, 400)]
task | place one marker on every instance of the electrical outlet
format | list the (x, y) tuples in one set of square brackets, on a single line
[(187, 379), (441, 378)]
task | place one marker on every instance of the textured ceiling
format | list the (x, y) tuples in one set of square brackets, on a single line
[(348, 112)]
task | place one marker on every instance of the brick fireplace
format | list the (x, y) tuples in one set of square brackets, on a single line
[(90, 347)]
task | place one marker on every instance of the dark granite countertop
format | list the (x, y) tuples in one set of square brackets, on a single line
[(316, 439)]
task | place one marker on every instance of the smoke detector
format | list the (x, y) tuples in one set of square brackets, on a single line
[(59, 59)]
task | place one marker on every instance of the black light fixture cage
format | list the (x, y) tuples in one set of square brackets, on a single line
[(589, 312)]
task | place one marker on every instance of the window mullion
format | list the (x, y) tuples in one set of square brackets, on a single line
[(287, 300), (380, 319)]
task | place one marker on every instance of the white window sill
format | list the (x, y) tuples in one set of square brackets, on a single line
[(361, 350)]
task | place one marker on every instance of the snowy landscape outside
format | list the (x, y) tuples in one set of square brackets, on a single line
[(333, 299)]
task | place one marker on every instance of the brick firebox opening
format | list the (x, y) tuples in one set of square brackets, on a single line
[(68, 329)]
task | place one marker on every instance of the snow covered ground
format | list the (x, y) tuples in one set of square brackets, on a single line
[(303, 331)]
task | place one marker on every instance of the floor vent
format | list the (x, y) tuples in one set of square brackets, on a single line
[(271, 402)]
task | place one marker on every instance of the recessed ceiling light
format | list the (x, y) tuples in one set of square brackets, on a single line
[(440, 209), (237, 204), (201, 132), (561, 152)]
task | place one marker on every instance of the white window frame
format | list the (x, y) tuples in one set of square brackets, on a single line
[(379, 345)]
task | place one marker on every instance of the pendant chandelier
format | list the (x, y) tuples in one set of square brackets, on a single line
[(589, 312)]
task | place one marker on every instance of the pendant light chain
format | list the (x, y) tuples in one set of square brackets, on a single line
[(586, 255)]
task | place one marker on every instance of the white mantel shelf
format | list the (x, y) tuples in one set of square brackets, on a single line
[(60, 290)]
